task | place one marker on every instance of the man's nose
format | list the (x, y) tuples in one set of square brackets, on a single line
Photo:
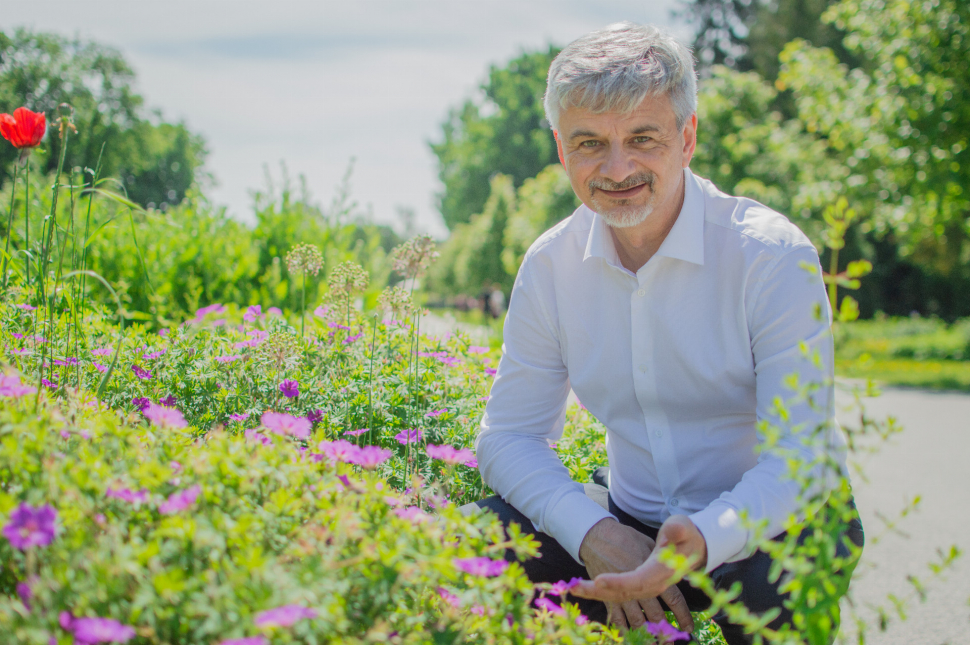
[(618, 164)]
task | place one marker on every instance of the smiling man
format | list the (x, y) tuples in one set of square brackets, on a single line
[(675, 312)]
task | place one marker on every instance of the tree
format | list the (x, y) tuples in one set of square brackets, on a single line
[(157, 161), (896, 130), (503, 132)]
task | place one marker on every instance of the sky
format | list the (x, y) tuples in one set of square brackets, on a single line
[(315, 83)]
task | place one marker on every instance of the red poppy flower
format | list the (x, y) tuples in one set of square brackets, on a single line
[(24, 129)]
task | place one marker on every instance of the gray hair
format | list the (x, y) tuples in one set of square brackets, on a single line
[(616, 68)]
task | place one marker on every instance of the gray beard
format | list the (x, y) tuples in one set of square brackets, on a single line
[(628, 219), (623, 216)]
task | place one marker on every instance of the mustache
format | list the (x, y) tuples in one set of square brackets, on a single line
[(647, 178)]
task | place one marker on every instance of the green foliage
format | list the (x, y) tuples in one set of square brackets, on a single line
[(157, 161), (503, 132)]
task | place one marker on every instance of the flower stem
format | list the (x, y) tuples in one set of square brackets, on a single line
[(6, 250), (303, 307)]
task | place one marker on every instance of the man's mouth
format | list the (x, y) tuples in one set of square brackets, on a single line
[(624, 194)]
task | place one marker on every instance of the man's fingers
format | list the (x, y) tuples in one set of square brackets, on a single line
[(675, 600), (634, 615), (648, 580), (651, 607), (615, 615)]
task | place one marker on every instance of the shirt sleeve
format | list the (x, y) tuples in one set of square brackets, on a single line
[(790, 328), (525, 411)]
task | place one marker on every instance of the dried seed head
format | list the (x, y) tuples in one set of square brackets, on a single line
[(280, 350), (397, 301), (347, 279), (413, 258), (304, 257)]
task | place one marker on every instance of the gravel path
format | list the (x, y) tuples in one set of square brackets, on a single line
[(929, 458)]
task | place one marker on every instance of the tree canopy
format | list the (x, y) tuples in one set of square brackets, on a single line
[(157, 161)]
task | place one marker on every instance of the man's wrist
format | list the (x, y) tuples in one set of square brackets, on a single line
[(592, 535)]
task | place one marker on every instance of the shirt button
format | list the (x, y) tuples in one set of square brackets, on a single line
[(641, 292), (660, 433), (674, 502), (643, 367)]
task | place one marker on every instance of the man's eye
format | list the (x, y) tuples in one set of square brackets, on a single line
[(642, 139), (589, 144)]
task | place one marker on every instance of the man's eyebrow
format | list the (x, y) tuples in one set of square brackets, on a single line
[(581, 133), (642, 129), (648, 127)]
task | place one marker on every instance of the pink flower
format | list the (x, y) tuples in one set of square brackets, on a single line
[(164, 417), (436, 413), (666, 631), (474, 349), (491, 371), (252, 434), (413, 435), (370, 457), (99, 366), (251, 640), (449, 597), (205, 311), (339, 450), (321, 311), (275, 311), (290, 388), (433, 354), (560, 588), (70, 360), (412, 514), (89, 631), (180, 501), (231, 358), (450, 361), (127, 495), (103, 351), (141, 372), (286, 424), (153, 355), (284, 616), (356, 433), (548, 605), (252, 313), (10, 386), (30, 527), (25, 307), (351, 339), (449, 454), (239, 417), (482, 566)]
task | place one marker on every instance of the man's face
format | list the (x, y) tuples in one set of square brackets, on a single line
[(625, 166)]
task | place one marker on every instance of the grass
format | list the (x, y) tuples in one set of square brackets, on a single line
[(911, 352)]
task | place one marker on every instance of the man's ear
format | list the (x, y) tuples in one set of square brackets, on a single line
[(690, 139), (562, 158)]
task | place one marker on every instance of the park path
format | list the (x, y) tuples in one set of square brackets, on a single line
[(929, 458)]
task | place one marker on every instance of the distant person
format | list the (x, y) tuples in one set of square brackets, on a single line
[(675, 312), (496, 302)]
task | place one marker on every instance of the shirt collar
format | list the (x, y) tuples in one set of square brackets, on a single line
[(685, 241)]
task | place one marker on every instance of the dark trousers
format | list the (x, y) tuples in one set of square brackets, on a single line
[(757, 593)]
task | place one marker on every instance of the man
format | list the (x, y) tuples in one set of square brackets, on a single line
[(675, 312)]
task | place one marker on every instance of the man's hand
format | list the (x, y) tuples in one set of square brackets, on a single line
[(651, 578), (610, 549)]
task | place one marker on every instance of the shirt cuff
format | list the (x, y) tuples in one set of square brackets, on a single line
[(723, 533), (571, 519)]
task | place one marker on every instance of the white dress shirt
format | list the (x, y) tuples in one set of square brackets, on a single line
[(680, 361)]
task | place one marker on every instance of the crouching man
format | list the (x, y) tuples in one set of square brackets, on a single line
[(675, 312)]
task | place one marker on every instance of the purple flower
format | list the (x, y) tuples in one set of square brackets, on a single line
[(283, 616), (412, 514), (127, 495), (491, 371), (180, 501), (548, 605), (666, 631), (231, 358), (356, 433), (290, 388), (333, 325), (560, 588), (474, 349), (370, 457), (49, 384), (103, 351), (10, 386), (483, 567), (164, 417), (153, 355), (141, 372), (252, 313), (99, 366), (30, 527), (287, 424), (20, 352), (275, 311), (471, 463), (314, 416), (141, 403), (168, 401), (205, 311), (436, 413), (163, 332), (89, 631), (251, 640), (321, 311), (25, 593), (345, 480), (351, 339), (404, 437), (67, 361), (25, 307), (239, 417), (449, 454), (433, 354), (450, 361)]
